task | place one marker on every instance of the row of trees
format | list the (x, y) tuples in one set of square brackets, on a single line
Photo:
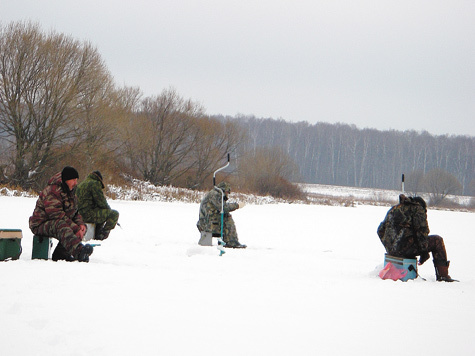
[(59, 105), (345, 155)]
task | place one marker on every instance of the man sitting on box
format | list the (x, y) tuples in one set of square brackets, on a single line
[(405, 233), (93, 205), (210, 215), (56, 215)]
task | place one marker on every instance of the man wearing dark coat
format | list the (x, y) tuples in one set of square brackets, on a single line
[(56, 215), (405, 233)]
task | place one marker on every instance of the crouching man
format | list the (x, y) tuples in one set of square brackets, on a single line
[(405, 233), (56, 215), (210, 215), (93, 205)]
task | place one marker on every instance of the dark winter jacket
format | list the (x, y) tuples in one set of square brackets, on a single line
[(91, 197), (56, 202), (405, 229)]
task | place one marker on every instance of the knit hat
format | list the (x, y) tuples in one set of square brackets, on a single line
[(69, 173)]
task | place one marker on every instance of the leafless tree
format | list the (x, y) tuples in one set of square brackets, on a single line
[(471, 186), (414, 182), (439, 183), (45, 79), (102, 126), (214, 139), (162, 136), (269, 171)]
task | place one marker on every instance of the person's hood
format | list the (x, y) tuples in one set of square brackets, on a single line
[(94, 176)]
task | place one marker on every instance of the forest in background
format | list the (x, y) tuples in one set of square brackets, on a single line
[(59, 105), (341, 154)]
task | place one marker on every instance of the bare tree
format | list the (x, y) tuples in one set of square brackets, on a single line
[(214, 139), (102, 125), (162, 136), (414, 182), (44, 82), (439, 183), (268, 171), (471, 187)]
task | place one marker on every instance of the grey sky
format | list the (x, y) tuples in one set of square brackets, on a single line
[(400, 64)]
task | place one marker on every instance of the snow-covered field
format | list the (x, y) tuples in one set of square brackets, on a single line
[(376, 196), (306, 285)]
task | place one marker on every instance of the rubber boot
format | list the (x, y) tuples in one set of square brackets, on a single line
[(60, 253), (442, 272), (101, 233), (234, 244), (85, 252)]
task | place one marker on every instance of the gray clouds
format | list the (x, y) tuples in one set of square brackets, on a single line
[(380, 64)]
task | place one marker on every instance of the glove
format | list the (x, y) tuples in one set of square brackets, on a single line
[(242, 205), (424, 257)]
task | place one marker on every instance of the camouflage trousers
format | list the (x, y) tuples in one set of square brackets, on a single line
[(437, 248), (435, 245), (229, 230), (61, 231), (103, 217)]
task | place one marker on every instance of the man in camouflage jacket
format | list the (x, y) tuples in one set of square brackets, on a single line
[(210, 215), (56, 215), (93, 205), (405, 233)]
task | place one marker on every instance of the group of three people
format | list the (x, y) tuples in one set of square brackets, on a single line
[(64, 207), (62, 210)]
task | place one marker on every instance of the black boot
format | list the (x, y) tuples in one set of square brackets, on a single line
[(101, 233), (85, 252), (60, 253)]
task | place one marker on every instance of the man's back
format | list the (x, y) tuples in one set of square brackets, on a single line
[(404, 230)]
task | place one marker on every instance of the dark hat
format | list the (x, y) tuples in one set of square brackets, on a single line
[(97, 173), (69, 173)]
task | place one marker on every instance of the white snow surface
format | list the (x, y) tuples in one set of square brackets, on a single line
[(306, 285)]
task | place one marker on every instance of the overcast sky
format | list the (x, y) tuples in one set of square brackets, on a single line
[(400, 64)]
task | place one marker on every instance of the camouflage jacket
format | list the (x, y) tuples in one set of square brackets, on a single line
[(90, 196), (210, 211), (56, 202), (405, 229)]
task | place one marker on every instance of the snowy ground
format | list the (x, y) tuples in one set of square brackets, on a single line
[(375, 195), (307, 285)]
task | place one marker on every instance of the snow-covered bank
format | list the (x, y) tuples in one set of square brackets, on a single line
[(307, 285)]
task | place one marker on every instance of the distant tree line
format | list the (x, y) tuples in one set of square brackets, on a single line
[(344, 155)]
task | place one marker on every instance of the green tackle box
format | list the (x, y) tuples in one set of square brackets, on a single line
[(10, 244), (41, 248)]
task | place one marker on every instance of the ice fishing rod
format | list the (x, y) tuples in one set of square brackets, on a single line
[(221, 242)]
